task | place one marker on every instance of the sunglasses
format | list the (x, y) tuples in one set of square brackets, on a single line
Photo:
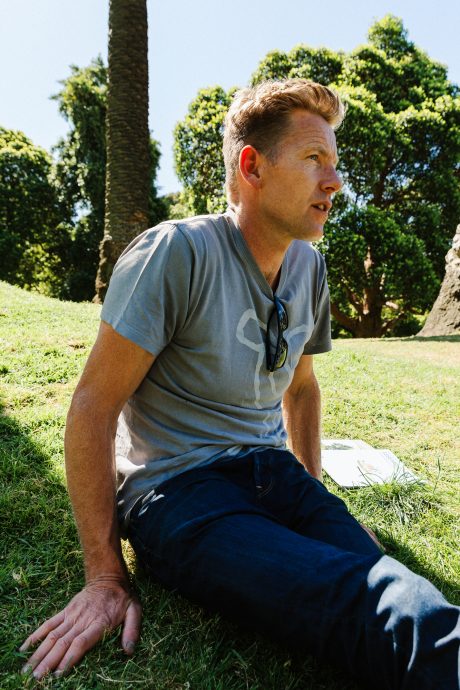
[(276, 355)]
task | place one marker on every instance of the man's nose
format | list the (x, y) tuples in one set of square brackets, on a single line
[(332, 182)]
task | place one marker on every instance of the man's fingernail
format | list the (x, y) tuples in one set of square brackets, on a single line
[(58, 674), (129, 646), (26, 668)]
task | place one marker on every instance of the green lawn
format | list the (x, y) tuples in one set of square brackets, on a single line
[(400, 394)]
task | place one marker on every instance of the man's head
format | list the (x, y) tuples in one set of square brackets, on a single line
[(260, 117)]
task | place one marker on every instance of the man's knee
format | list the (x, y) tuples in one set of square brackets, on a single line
[(406, 600)]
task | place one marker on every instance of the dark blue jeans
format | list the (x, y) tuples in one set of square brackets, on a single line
[(259, 540)]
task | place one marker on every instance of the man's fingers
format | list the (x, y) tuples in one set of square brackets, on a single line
[(43, 631), (67, 651), (50, 656), (67, 637), (131, 626), (57, 641), (80, 645)]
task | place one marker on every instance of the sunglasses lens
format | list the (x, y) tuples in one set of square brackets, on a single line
[(282, 315), (277, 347), (282, 354)]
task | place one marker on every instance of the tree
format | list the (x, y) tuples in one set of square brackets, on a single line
[(198, 151), (129, 161), (399, 147), (28, 213), (80, 176), (80, 173)]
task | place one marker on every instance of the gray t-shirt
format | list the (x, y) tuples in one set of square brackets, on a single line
[(191, 293)]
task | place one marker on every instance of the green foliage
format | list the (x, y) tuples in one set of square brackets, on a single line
[(275, 65), (80, 175), (158, 206), (28, 211), (318, 64), (399, 148), (52, 212), (371, 275), (198, 151), (81, 155)]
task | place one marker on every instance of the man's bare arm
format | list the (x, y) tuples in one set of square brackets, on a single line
[(114, 370), (302, 416)]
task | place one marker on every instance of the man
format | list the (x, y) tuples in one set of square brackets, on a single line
[(208, 326)]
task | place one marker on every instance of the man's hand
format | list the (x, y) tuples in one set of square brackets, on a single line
[(373, 536), (100, 607)]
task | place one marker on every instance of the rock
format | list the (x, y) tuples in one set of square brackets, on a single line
[(444, 318)]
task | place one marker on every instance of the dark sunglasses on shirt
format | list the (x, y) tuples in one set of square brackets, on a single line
[(277, 323)]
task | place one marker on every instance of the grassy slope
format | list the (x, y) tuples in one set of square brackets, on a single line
[(398, 394)]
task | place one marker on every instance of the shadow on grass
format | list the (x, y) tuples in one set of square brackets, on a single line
[(402, 553), (406, 507), (37, 539), (32, 488), (428, 339)]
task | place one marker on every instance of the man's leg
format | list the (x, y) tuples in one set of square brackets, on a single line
[(303, 504), (211, 539)]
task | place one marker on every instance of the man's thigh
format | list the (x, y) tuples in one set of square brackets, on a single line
[(214, 542), (303, 503)]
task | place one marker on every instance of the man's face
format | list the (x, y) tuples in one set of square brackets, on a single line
[(297, 188)]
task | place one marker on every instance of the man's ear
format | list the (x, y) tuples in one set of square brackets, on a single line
[(249, 165)]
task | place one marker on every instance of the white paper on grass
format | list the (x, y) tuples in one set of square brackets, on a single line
[(353, 463)]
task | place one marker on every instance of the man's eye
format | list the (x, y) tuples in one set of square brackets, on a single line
[(314, 157)]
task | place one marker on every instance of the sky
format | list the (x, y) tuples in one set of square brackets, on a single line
[(192, 44)]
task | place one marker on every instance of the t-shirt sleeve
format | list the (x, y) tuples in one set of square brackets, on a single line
[(320, 339), (148, 295)]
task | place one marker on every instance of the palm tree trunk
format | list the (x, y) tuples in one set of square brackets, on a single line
[(128, 139)]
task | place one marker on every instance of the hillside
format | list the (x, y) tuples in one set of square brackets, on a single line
[(400, 394)]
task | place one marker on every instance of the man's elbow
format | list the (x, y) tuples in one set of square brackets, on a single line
[(305, 389), (86, 412)]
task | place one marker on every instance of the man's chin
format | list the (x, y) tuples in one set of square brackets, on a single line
[(313, 234)]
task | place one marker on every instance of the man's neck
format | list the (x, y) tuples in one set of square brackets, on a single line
[(266, 247)]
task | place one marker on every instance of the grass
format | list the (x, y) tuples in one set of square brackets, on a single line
[(397, 393)]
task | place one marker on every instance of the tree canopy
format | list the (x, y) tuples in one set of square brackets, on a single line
[(28, 210), (399, 149), (52, 208), (198, 151), (80, 173)]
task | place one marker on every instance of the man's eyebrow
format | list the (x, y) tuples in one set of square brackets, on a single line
[(322, 151)]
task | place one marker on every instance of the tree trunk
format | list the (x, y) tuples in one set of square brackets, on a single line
[(444, 318), (368, 322), (369, 325), (128, 139), (365, 325)]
